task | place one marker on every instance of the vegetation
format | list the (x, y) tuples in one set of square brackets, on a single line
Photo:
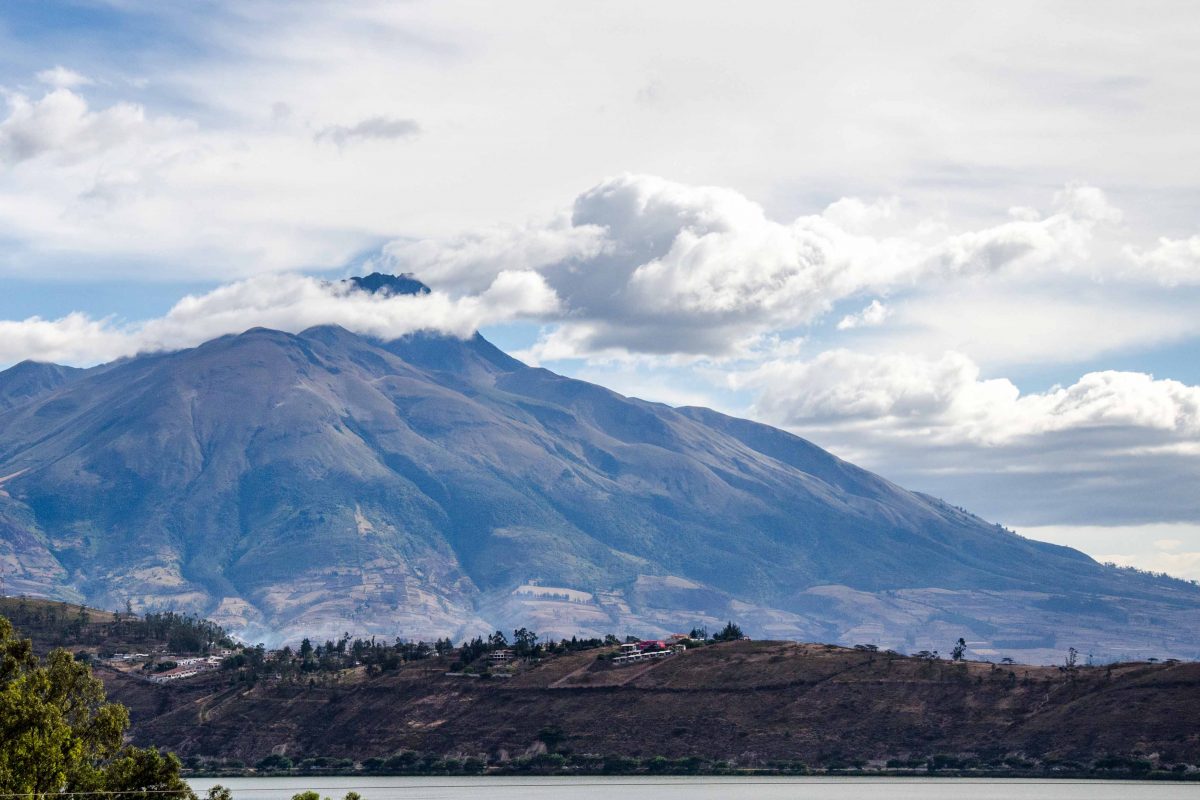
[(62, 719), (379, 656), (959, 653), (55, 623), (59, 734), (557, 761), (730, 633)]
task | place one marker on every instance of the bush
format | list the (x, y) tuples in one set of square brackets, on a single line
[(619, 765), (274, 763)]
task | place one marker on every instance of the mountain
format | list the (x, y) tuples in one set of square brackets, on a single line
[(313, 483), (31, 379)]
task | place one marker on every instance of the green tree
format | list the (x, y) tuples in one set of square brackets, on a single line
[(524, 642), (730, 633), (960, 650), (59, 734)]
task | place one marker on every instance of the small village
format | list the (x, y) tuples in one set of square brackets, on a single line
[(492, 657)]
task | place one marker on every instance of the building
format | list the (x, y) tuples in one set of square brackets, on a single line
[(644, 651)]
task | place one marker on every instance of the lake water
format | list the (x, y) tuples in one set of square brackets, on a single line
[(707, 788)]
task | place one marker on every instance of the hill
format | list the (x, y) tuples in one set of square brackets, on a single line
[(747, 704), (90, 632), (785, 706), (322, 482)]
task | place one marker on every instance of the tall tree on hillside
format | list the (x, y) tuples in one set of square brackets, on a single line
[(960, 650), (59, 734), (730, 633), (524, 642)]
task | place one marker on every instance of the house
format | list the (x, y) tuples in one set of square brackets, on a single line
[(174, 674), (646, 650), (500, 656)]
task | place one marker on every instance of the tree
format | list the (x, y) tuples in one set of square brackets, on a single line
[(59, 734), (551, 736), (1072, 657), (730, 633), (960, 650), (699, 633), (498, 641), (524, 642)]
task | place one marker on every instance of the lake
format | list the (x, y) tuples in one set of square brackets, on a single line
[(701, 788)]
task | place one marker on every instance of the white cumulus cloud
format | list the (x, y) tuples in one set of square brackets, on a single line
[(947, 399), (1172, 262), (283, 302), (648, 265), (869, 317)]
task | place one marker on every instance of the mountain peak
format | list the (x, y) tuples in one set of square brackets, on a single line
[(29, 380), (389, 285)]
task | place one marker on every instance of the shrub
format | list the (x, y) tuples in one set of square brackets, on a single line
[(274, 762)]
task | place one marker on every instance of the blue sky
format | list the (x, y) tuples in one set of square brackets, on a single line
[(958, 244)]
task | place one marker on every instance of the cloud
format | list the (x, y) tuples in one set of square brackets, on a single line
[(647, 265), (283, 302), (116, 191), (1019, 321), (946, 400), (62, 78), (384, 128), (1109, 448), (470, 261), (1173, 262), (60, 125), (870, 317)]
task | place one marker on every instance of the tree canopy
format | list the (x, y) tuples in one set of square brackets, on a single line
[(730, 633), (58, 732)]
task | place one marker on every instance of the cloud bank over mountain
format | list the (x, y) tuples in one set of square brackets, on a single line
[(283, 302)]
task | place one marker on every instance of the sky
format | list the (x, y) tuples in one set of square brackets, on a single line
[(958, 244)]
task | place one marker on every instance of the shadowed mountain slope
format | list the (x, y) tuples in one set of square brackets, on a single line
[(30, 380), (320, 482)]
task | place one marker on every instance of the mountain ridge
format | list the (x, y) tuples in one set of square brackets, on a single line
[(429, 485)]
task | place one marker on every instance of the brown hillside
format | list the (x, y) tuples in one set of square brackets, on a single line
[(748, 702)]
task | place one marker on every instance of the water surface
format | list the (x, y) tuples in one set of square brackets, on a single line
[(702, 788)]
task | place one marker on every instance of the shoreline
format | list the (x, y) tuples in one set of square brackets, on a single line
[(1000, 776)]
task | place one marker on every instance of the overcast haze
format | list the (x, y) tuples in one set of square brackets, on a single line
[(958, 244)]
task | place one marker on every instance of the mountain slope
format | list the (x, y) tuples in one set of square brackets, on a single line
[(320, 482), (30, 380)]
